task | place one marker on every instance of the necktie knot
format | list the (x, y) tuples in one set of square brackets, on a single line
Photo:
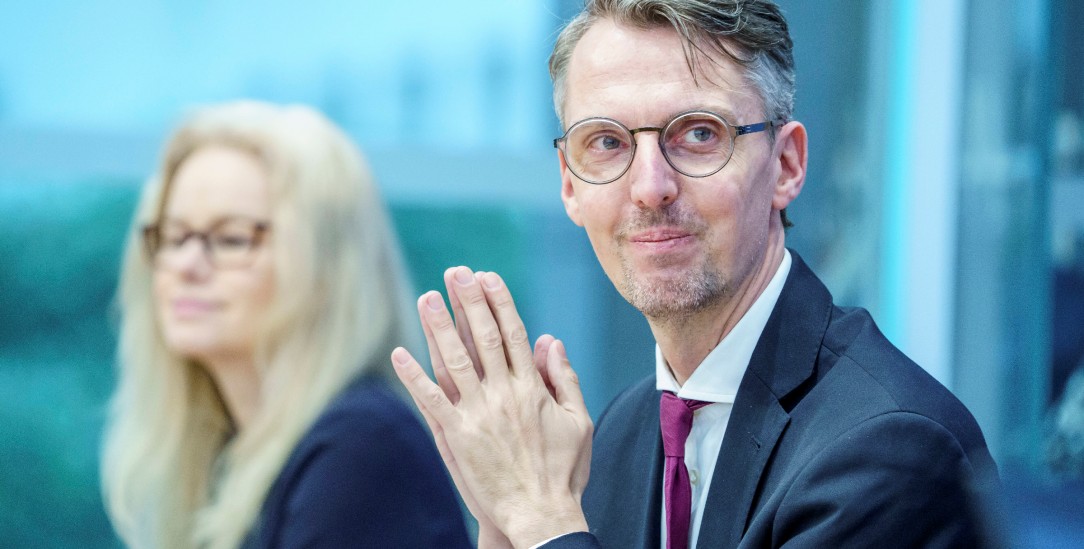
[(676, 417)]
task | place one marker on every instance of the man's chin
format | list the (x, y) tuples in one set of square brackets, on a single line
[(663, 297)]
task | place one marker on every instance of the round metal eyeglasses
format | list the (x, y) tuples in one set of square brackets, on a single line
[(697, 144)]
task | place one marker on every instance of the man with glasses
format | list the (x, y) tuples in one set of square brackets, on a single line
[(775, 417)]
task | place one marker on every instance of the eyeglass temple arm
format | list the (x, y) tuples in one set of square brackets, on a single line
[(759, 127)]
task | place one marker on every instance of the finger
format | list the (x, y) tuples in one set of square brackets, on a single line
[(516, 343), (450, 463), (541, 352), (454, 355), (445, 451), (565, 381), (485, 332), (462, 323), (431, 400), (439, 370)]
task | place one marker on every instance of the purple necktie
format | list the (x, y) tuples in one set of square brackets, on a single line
[(676, 420)]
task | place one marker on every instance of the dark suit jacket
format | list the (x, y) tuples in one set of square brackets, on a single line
[(365, 475), (836, 439)]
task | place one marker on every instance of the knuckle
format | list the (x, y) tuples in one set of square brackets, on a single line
[(518, 335), (573, 378), (490, 340), (443, 322), (435, 399), (416, 377), (502, 300), (459, 362), (472, 298)]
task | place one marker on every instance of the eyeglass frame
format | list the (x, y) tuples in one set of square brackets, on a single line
[(734, 133), (152, 249)]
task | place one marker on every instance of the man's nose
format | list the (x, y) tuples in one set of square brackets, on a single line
[(652, 181)]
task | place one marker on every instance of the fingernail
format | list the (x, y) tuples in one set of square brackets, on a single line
[(400, 356), (492, 281), (463, 276), (434, 301), (559, 346)]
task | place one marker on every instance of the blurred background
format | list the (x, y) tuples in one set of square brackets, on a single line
[(944, 195)]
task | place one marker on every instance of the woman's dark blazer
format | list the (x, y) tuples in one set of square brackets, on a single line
[(365, 475)]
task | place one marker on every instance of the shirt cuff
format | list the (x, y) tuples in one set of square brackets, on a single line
[(541, 543), (559, 536)]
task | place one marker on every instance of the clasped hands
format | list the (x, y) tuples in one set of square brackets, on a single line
[(509, 421)]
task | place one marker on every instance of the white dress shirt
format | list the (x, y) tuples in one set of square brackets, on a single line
[(716, 380)]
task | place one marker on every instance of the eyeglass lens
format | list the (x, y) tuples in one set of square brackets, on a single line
[(229, 244), (696, 144)]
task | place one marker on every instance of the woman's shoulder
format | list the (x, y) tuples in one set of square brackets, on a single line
[(365, 474), (367, 406), (366, 431)]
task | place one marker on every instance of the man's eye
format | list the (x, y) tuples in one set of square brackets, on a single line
[(698, 134), (606, 143)]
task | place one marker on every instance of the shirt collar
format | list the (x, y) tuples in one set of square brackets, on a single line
[(716, 379)]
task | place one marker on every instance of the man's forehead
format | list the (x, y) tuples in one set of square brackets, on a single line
[(621, 67)]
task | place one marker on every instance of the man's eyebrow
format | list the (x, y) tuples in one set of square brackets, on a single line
[(725, 112)]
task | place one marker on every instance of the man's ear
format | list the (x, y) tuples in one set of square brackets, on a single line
[(791, 149), (568, 192)]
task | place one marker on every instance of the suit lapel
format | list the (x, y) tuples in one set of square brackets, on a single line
[(650, 492), (742, 458), (782, 361), (623, 498)]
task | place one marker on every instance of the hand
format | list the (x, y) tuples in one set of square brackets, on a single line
[(517, 447), (462, 325), (489, 536)]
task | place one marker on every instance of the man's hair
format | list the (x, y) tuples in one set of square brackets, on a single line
[(753, 33)]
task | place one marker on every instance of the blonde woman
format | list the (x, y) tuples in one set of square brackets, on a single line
[(260, 297)]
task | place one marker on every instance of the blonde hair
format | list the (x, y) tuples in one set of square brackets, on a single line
[(338, 309)]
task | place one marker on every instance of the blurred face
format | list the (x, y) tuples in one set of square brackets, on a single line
[(210, 303), (671, 244)]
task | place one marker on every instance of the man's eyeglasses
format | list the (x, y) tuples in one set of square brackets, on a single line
[(229, 243), (697, 144)]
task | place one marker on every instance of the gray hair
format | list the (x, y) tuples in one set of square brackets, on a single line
[(753, 33)]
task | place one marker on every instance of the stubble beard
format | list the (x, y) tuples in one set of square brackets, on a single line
[(674, 299), (677, 298)]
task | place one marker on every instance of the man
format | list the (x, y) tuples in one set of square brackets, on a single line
[(805, 426)]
